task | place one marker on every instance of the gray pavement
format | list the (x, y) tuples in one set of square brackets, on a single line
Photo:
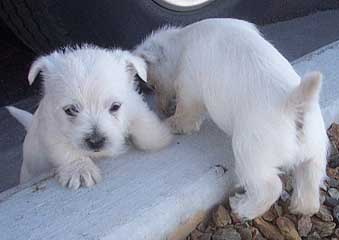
[(11, 139), (299, 36), (293, 38)]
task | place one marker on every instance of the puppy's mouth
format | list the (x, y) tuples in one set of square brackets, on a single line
[(95, 153), (90, 150), (94, 150)]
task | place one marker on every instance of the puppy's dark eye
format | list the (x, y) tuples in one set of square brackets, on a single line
[(71, 110), (114, 107)]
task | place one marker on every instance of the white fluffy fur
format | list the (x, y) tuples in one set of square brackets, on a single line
[(225, 67), (92, 79)]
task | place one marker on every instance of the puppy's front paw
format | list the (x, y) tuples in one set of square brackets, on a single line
[(82, 172), (183, 126)]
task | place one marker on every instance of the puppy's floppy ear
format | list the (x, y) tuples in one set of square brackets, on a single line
[(151, 52), (137, 65), (38, 65)]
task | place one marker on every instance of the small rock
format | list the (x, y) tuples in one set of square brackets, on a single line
[(322, 197), (270, 215), (304, 226), (323, 186), (221, 217), (336, 232), (293, 218), (333, 152), (245, 224), (245, 233), (331, 202), (202, 226), (285, 207), (235, 218), (333, 173), (334, 161), (334, 193), (209, 229), (268, 230), (333, 183), (336, 213), (324, 214), (206, 236), (287, 228), (333, 135), (284, 196), (195, 235), (324, 229), (314, 236), (228, 233), (201, 236), (256, 235), (278, 209)]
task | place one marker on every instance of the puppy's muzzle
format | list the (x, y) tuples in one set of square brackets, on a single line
[(95, 141)]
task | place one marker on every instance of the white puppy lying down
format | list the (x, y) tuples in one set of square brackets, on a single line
[(225, 67), (89, 108)]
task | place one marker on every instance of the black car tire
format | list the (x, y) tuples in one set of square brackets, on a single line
[(46, 24)]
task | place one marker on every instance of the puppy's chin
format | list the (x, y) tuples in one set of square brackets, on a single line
[(106, 152)]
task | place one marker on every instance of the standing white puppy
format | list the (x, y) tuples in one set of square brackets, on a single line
[(225, 67), (89, 108)]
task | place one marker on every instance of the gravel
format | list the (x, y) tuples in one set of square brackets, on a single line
[(278, 223)]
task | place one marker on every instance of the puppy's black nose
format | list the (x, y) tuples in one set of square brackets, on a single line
[(95, 141)]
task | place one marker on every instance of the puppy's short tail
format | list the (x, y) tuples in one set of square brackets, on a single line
[(25, 118), (306, 94), (302, 99)]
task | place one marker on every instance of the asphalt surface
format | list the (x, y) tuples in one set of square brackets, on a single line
[(293, 38)]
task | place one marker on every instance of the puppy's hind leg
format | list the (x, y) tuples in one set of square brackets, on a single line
[(261, 181), (147, 131), (310, 173), (308, 177)]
